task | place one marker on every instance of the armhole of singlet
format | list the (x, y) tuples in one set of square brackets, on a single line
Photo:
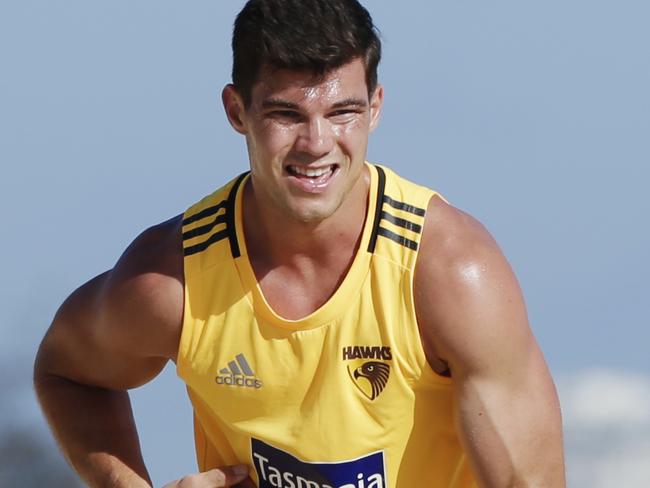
[(428, 374), (186, 332)]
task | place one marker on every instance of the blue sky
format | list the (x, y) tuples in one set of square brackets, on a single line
[(534, 117)]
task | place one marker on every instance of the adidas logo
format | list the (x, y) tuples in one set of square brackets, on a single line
[(238, 373)]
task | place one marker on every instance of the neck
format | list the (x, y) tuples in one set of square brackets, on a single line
[(274, 239)]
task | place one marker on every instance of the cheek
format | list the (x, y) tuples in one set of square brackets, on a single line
[(353, 135), (272, 140), (358, 127)]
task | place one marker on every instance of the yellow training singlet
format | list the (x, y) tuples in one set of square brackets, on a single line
[(343, 398)]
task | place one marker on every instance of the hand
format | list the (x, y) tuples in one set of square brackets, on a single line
[(215, 478)]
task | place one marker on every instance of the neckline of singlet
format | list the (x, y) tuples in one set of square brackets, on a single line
[(340, 299)]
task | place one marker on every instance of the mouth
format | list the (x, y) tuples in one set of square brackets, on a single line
[(312, 173), (312, 179)]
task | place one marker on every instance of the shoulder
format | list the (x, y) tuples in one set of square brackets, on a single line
[(467, 296), (453, 241), (156, 253)]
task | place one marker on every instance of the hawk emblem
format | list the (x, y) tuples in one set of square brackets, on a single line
[(370, 378)]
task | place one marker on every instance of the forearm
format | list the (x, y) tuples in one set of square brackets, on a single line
[(95, 430)]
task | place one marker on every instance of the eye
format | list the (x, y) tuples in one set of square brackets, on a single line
[(284, 114), (343, 112), (344, 115)]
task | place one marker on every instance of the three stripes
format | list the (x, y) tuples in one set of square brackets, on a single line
[(238, 367), (227, 218), (381, 214)]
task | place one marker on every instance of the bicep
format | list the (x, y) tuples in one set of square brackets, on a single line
[(101, 336), (474, 317)]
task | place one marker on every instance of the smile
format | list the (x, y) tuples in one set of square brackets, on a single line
[(311, 172), (312, 180)]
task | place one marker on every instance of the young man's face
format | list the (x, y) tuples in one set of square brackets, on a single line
[(307, 138)]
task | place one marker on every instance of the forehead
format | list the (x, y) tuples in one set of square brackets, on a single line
[(305, 88)]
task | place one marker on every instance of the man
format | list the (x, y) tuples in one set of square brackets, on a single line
[(337, 326)]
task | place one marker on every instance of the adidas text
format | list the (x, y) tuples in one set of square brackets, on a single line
[(239, 381), (238, 373)]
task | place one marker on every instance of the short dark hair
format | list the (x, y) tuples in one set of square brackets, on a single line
[(313, 35)]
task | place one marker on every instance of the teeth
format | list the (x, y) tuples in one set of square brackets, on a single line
[(311, 172)]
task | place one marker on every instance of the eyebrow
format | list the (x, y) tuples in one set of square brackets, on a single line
[(351, 102), (280, 103)]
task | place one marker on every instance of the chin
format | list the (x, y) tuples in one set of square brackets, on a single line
[(310, 217), (312, 214)]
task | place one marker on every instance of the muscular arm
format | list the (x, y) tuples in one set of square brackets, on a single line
[(473, 320), (113, 333)]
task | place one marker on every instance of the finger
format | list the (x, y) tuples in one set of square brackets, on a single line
[(223, 477), (247, 483), (215, 478)]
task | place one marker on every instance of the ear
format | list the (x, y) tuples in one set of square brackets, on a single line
[(233, 104), (376, 102)]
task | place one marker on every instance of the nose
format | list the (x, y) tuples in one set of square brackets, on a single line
[(316, 137)]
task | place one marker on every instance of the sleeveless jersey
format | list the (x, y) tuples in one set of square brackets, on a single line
[(342, 398)]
